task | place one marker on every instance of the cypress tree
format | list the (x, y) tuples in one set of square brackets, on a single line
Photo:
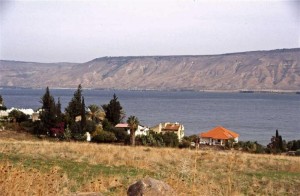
[(75, 105), (48, 114), (58, 111), (113, 111), (83, 116)]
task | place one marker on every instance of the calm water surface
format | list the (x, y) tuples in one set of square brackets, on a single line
[(255, 116)]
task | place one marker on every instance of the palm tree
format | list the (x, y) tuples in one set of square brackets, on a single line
[(133, 123), (96, 113)]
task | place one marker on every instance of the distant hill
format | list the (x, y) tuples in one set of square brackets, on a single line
[(277, 70)]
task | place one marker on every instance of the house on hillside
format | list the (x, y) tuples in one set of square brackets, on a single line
[(218, 136), (176, 128), (141, 130)]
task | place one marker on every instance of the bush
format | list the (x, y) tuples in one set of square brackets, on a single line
[(90, 126), (170, 139), (185, 144), (18, 116), (121, 135), (252, 147), (297, 153), (104, 137), (293, 145), (152, 139), (27, 126), (79, 137)]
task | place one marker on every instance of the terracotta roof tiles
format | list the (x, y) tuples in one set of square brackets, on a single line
[(219, 133)]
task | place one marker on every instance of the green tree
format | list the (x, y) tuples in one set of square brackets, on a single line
[(170, 139), (59, 114), (73, 110), (133, 123), (83, 115), (18, 116), (2, 106), (277, 144), (113, 111), (95, 113), (48, 114), (75, 105)]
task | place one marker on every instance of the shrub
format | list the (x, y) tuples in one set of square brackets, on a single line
[(27, 125), (79, 137), (67, 134), (293, 145), (104, 137), (185, 144), (90, 126), (120, 134), (170, 139), (152, 139), (252, 147)]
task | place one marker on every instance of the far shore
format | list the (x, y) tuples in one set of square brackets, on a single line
[(271, 91)]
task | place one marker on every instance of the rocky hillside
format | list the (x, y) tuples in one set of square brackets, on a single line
[(259, 70)]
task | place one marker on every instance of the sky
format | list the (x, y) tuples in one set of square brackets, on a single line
[(79, 31)]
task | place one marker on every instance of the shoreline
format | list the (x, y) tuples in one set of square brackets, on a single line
[(272, 91)]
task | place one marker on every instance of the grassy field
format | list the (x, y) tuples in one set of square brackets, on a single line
[(36, 167)]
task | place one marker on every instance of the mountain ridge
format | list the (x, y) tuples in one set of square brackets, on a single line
[(274, 70)]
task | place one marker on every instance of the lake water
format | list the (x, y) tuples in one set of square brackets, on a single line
[(255, 116)]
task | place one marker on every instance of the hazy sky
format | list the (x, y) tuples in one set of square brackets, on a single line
[(79, 31)]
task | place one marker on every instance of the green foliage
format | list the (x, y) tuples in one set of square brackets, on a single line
[(104, 137), (113, 111), (79, 136), (2, 106), (191, 138), (18, 116), (83, 116), (120, 134), (75, 128), (277, 145), (48, 114), (27, 126), (170, 139), (76, 108), (59, 114), (293, 145), (90, 126), (185, 143), (67, 134), (158, 139), (252, 147), (75, 105), (133, 123), (152, 139), (95, 113)]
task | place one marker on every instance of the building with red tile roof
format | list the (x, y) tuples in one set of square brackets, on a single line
[(176, 128), (141, 130), (218, 136)]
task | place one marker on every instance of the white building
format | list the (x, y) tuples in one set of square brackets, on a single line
[(141, 130)]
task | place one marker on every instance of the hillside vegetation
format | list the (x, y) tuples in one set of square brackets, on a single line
[(59, 168), (276, 70)]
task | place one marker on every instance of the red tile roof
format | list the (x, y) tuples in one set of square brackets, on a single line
[(219, 133), (122, 125), (171, 127)]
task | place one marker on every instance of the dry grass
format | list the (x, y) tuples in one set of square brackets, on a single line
[(58, 168)]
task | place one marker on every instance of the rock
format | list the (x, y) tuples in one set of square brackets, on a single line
[(150, 187)]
